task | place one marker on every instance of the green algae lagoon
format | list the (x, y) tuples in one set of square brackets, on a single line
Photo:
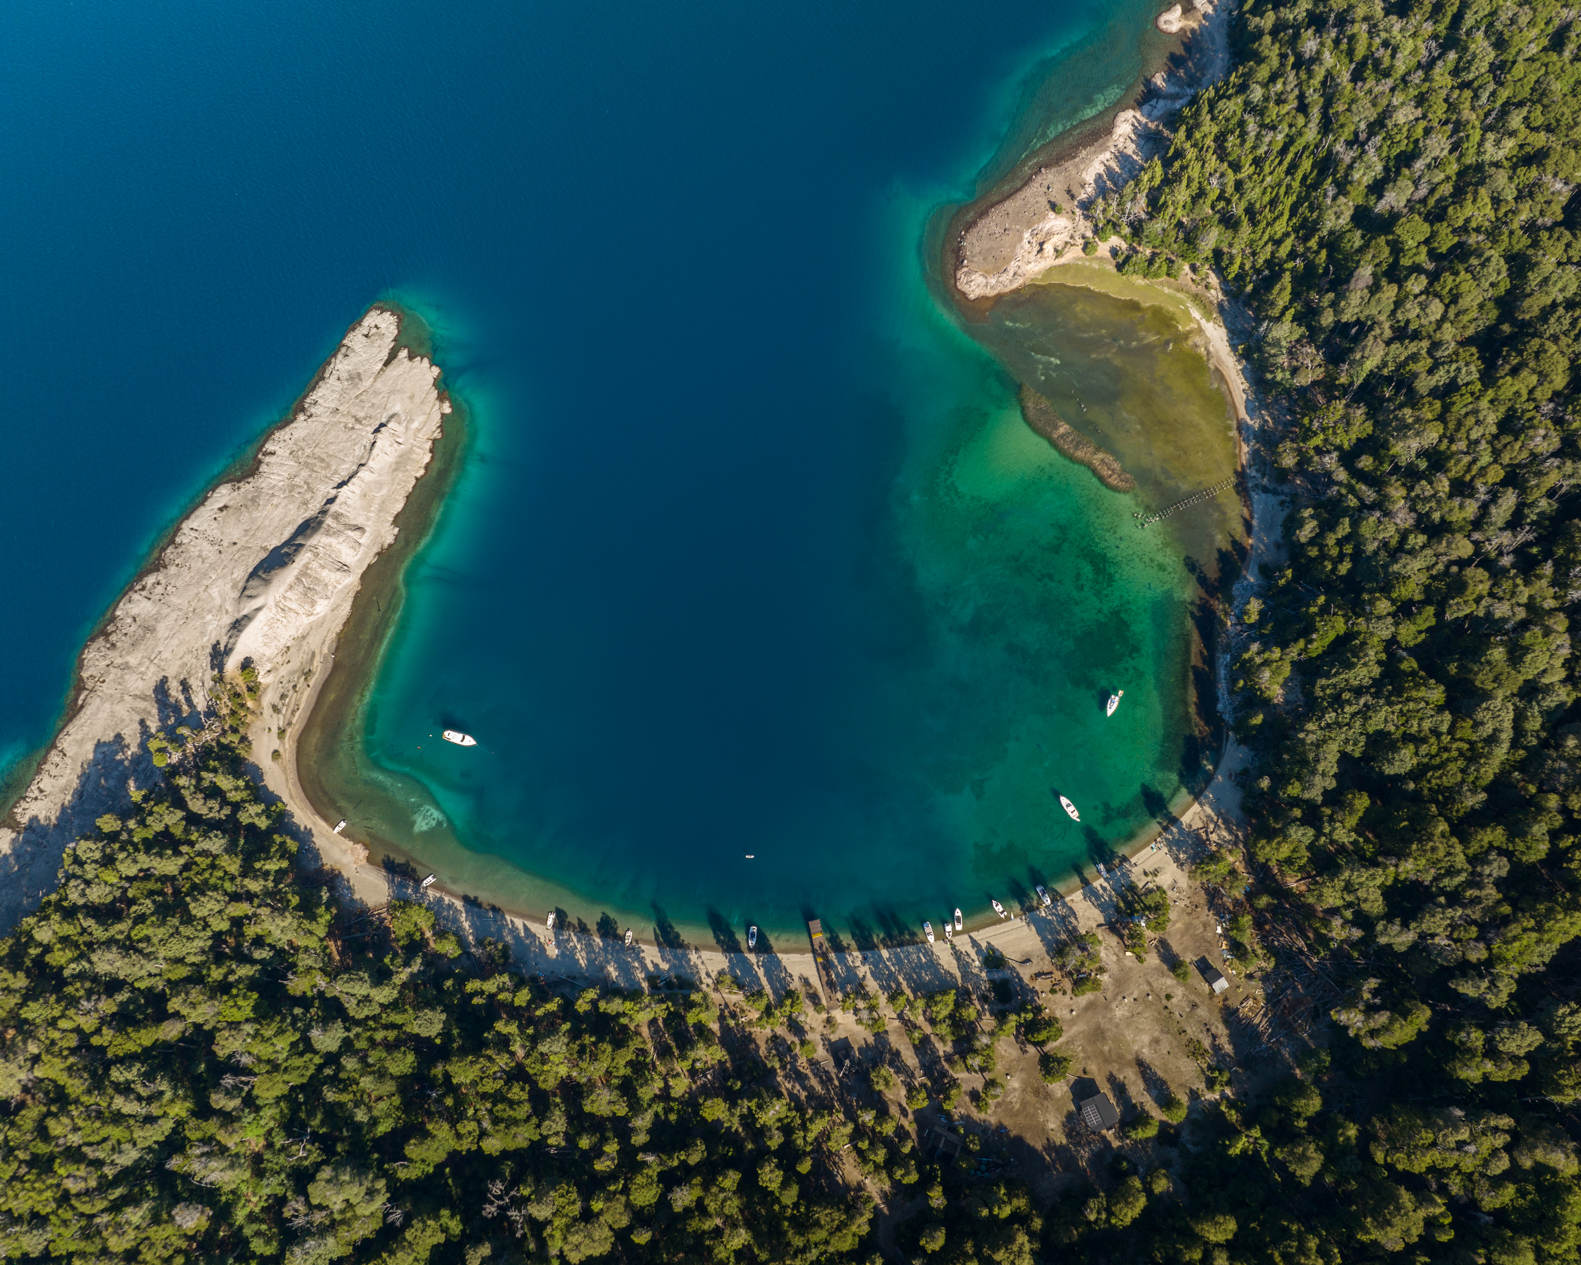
[(835, 638)]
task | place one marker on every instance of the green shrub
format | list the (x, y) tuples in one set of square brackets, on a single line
[(1053, 1066)]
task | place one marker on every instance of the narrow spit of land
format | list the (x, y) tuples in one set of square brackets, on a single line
[(262, 573)]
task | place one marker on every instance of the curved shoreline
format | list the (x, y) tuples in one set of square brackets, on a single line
[(1003, 242)]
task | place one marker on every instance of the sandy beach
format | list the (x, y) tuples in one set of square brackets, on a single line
[(264, 569)]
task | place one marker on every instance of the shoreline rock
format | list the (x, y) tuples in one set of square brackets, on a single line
[(264, 568)]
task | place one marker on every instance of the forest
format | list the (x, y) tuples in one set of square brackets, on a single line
[(1390, 192), (205, 1057)]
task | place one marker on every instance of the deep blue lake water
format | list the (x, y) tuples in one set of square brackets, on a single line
[(751, 554)]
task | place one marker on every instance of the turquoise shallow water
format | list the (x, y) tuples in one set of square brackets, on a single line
[(750, 553)]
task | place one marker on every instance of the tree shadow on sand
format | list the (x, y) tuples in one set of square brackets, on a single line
[(724, 933), (665, 934)]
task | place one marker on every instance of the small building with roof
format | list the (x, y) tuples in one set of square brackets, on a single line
[(1216, 980), (1097, 1112)]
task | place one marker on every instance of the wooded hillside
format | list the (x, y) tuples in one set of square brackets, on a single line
[(203, 1058)]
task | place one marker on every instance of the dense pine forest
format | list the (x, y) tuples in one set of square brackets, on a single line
[(204, 1058), (1391, 191)]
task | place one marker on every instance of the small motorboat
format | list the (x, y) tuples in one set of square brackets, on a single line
[(429, 881), (1070, 808), (1044, 896), (998, 908), (949, 932), (959, 924), (629, 937), (1114, 701), (1101, 870), (752, 937), (459, 738), (549, 925), (341, 826), (927, 929)]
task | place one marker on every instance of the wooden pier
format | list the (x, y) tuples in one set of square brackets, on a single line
[(820, 957), (1147, 520)]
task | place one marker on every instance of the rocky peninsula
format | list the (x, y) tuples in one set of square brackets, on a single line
[(1015, 238), (262, 573)]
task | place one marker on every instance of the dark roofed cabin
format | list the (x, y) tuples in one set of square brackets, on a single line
[(1098, 1113), (1215, 978)]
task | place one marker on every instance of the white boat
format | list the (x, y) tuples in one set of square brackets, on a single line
[(998, 908), (629, 937), (549, 926), (429, 881), (341, 826), (927, 928), (1044, 896), (1114, 701), (959, 924), (1070, 808), (1101, 870), (752, 937), (949, 932), (459, 738)]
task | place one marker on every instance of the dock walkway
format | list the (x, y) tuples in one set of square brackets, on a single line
[(1147, 520)]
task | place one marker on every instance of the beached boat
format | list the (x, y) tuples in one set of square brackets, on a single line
[(341, 826), (949, 931), (549, 925), (959, 924), (752, 937), (629, 937), (1070, 808), (1044, 896), (1101, 870), (1114, 701), (459, 738), (429, 881), (998, 908), (927, 929)]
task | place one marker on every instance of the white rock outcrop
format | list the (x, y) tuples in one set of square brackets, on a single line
[(264, 568)]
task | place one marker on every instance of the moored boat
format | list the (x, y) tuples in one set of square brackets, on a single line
[(629, 937), (752, 937), (949, 931), (1101, 870), (927, 929), (549, 925), (998, 908), (429, 881), (341, 826), (1044, 896), (1069, 808), (959, 924), (1114, 701), (459, 738)]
